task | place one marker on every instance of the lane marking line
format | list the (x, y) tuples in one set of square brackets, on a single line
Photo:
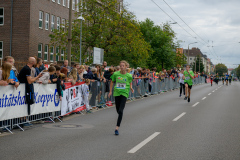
[(209, 94), (143, 143), (204, 98), (195, 104), (213, 91), (178, 117)]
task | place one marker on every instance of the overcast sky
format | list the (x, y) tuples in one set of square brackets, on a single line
[(217, 22)]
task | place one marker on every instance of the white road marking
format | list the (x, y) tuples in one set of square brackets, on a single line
[(180, 116), (209, 94), (212, 91), (143, 143), (195, 104), (204, 98)]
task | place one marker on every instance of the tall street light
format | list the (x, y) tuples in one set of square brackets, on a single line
[(81, 19), (202, 61), (188, 50)]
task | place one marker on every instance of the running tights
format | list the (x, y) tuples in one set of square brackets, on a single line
[(182, 87), (120, 102)]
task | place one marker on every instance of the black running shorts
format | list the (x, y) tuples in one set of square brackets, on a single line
[(190, 87)]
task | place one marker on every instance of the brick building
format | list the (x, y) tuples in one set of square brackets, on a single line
[(28, 32), (32, 22)]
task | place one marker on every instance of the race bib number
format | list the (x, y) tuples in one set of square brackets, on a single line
[(121, 86), (187, 78)]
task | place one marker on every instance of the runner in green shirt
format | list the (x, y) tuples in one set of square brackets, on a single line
[(188, 76), (121, 90)]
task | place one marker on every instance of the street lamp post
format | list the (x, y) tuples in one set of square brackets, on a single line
[(195, 64), (81, 19), (188, 51)]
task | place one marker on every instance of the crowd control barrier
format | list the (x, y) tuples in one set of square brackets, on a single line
[(14, 111)]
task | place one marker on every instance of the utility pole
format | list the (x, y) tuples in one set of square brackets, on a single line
[(188, 55), (195, 64), (199, 63), (69, 33)]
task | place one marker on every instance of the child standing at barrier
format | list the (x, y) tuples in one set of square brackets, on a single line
[(121, 90), (85, 90), (45, 79)]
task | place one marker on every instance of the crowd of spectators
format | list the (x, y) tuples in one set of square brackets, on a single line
[(35, 72)]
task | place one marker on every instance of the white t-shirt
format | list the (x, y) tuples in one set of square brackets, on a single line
[(181, 79), (85, 90)]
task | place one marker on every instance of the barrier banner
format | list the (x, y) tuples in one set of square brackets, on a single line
[(46, 99), (72, 100), (12, 101)]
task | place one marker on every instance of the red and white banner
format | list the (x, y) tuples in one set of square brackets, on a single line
[(72, 100)]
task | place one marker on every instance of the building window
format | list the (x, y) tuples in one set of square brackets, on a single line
[(62, 55), (52, 23), (68, 1), (57, 54), (46, 53), (1, 49), (46, 21), (51, 53), (63, 23), (58, 23), (73, 4), (40, 50), (1, 16), (190, 58), (40, 19), (77, 5), (64, 2), (59, 1)]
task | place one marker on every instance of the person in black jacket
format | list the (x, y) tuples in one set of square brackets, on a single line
[(25, 77)]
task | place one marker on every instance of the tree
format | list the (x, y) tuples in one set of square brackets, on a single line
[(197, 65), (238, 71), (163, 53), (221, 68), (118, 33)]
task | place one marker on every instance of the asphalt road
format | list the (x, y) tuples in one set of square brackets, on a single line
[(161, 127)]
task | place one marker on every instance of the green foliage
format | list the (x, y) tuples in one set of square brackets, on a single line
[(104, 27), (163, 49), (238, 71), (220, 69), (197, 65)]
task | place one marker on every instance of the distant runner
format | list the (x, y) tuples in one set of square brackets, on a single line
[(226, 79), (223, 78), (217, 78), (211, 79), (230, 79)]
